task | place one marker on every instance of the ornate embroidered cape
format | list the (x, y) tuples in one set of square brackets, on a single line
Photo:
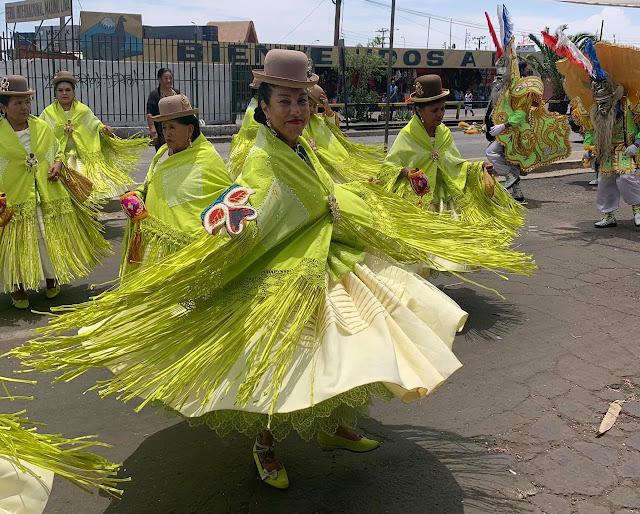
[(536, 137)]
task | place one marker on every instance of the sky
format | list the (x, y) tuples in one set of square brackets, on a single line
[(308, 22)]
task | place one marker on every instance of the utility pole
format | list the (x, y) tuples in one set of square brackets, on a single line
[(466, 38), (382, 31), (450, 27), (480, 40), (389, 72), (428, 32), (601, 29), (336, 29)]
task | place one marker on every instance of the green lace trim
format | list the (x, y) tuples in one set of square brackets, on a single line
[(341, 410)]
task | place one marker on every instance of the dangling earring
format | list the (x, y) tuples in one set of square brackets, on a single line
[(190, 143), (271, 128)]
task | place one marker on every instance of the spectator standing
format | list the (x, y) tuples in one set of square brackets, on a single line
[(165, 88), (468, 102)]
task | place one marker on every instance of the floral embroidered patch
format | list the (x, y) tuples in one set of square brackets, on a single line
[(229, 210)]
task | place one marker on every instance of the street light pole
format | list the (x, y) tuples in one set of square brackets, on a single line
[(389, 72)]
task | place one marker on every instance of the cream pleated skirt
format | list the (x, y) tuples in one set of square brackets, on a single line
[(23, 493), (379, 324)]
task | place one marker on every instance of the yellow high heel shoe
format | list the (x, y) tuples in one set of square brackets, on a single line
[(335, 441), (20, 304), (52, 292), (276, 478)]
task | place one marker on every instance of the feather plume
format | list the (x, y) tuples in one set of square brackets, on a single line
[(501, 25), (590, 51), (494, 36), (573, 53), (508, 26)]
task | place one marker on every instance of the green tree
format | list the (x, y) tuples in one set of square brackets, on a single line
[(361, 65), (545, 62)]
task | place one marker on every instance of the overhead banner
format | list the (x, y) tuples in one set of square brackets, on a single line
[(615, 3), (36, 10), (251, 54)]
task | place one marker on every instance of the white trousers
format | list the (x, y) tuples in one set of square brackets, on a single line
[(495, 155), (46, 266), (610, 189)]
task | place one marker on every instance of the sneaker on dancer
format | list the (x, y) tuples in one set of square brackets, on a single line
[(608, 220), (636, 215)]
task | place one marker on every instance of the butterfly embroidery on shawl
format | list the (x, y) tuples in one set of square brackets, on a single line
[(230, 210)]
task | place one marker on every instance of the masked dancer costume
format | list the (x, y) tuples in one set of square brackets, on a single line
[(612, 73), (526, 134)]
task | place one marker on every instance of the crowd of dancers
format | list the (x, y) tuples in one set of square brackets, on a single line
[(287, 289)]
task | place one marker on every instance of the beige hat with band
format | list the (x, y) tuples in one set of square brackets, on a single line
[(172, 107), (63, 76), (15, 85), (256, 82), (287, 68), (315, 92)]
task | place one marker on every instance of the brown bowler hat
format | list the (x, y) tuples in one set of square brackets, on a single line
[(15, 85), (288, 68), (428, 88), (256, 82), (172, 107), (63, 76), (315, 92)]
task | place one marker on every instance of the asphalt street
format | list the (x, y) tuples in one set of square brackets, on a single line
[(512, 431)]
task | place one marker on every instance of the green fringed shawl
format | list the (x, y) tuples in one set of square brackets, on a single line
[(242, 142), (345, 161), (20, 442), (176, 191), (72, 233), (451, 179), (106, 161), (250, 297)]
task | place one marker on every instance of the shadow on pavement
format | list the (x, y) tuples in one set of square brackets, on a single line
[(489, 317), (38, 302), (585, 184), (587, 232), (537, 204), (185, 469)]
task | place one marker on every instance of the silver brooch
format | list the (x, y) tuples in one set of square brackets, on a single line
[(313, 144), (334, 208), (31, 161), (68, 128), (435, 155), (4, 84)]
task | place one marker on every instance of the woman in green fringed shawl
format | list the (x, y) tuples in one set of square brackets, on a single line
[(461, 189), (343, 159), (44, 232), (91, 147), (242, 142), (185, 176), (287, 325), (29, 459)]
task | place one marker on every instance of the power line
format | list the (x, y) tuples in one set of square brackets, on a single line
[(303, 20)]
